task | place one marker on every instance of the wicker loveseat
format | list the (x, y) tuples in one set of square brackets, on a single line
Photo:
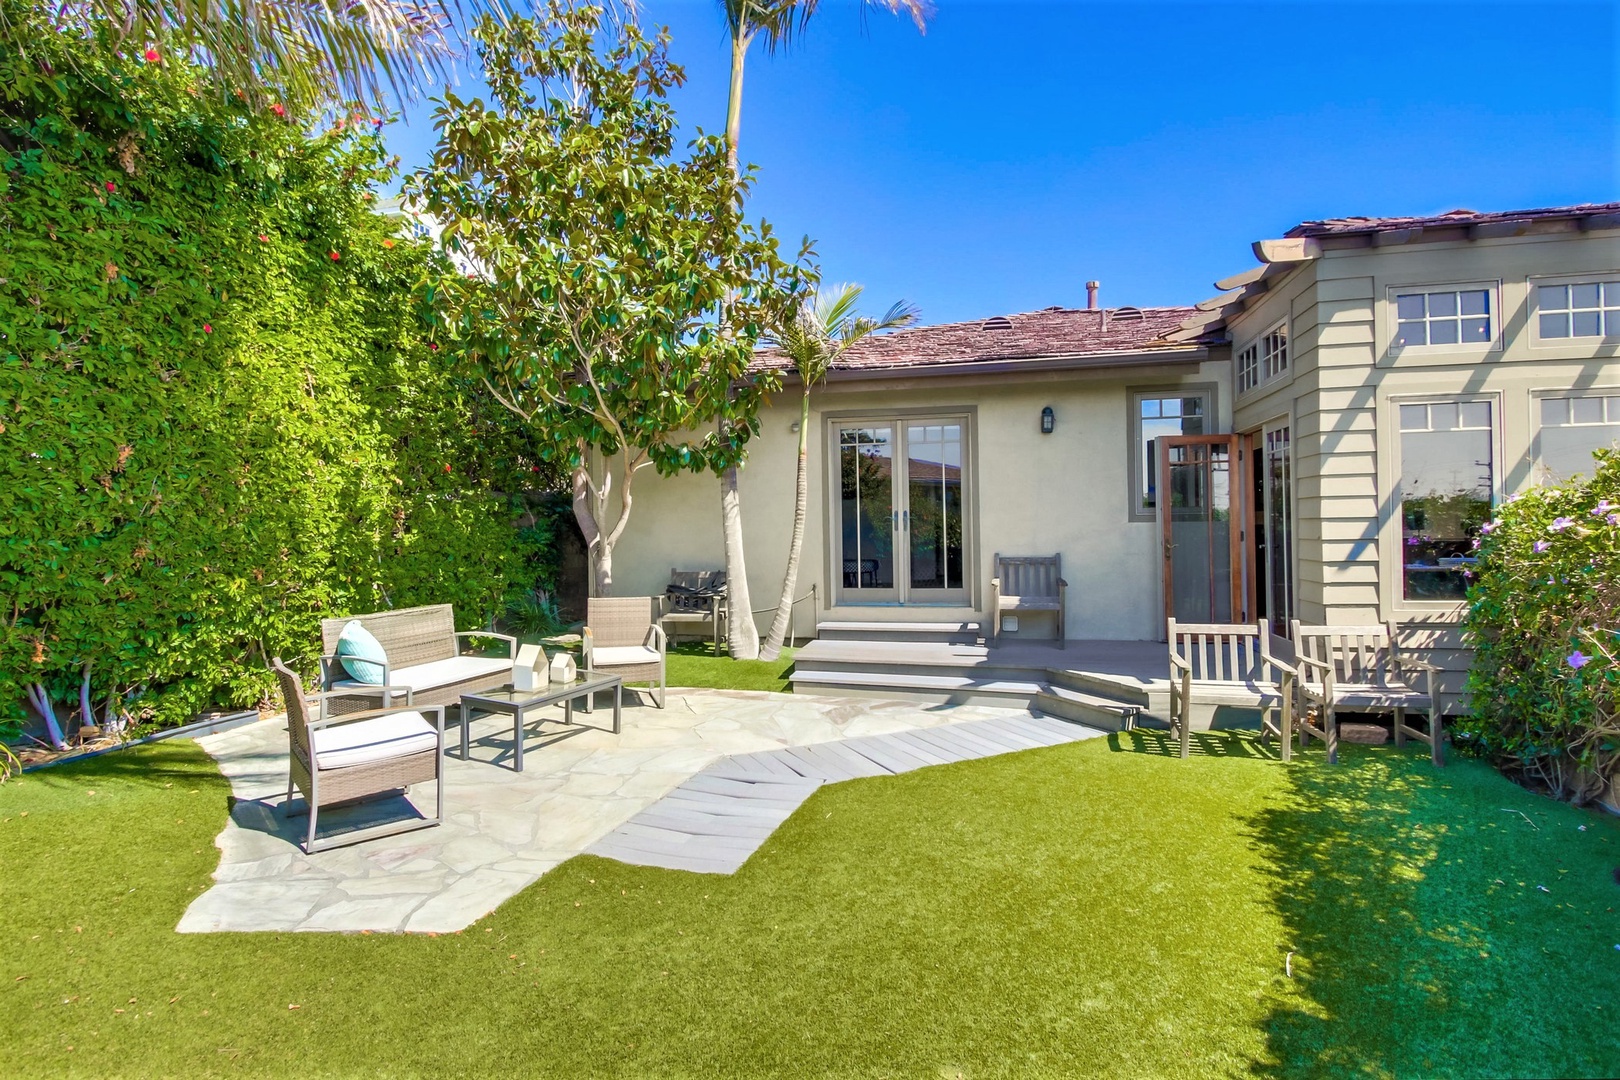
[(424, 654)]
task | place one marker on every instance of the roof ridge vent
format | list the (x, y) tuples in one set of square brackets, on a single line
[(996, 322)]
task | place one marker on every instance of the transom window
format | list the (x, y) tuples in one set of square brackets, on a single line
[(1586, 309), (1248, 367), (1446, 317), (1156, 414), (1572, 426)]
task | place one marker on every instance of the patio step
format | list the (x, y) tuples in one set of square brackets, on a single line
[(948, 633), (1067, 703)]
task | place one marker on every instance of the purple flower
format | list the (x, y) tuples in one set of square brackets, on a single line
[(1488, 528), (1578, 660), (1603, 507), (1474, 543), (1539, 546), (1560, 524), (1613, 519), (1413, 541)]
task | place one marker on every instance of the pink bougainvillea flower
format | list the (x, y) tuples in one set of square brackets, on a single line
[(153, 56), (1578, 659), (447, 468), (208, 328), (1539, 546), (263, 239), (388, 243), (334, 256), (1560, 524), (111, 186), (279, 109), (434, 345)]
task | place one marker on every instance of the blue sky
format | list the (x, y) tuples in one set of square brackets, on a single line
[(1019, 149)]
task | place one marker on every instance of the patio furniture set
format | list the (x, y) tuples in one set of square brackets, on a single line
[(1300, 683), (387, 678)]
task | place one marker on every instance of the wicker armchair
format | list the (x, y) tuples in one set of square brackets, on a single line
[(622, 637), (359, 755)]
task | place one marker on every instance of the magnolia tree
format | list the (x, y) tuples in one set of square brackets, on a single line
[(597, 260)]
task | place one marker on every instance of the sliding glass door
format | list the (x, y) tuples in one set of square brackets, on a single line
[(900, 526)]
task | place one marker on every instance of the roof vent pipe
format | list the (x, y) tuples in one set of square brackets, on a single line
[(1091, 295)]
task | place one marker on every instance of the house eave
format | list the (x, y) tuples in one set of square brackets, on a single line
[(1195, 354)]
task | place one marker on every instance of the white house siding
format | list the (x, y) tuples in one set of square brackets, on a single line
[(1066, 492), (1343, 395)]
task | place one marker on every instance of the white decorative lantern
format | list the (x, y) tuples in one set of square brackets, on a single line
[(531, 671), (562, 668)]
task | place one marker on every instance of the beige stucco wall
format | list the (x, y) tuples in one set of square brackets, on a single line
[(1346, 383), (1028, 493)]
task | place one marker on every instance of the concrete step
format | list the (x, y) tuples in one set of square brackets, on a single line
[(949, 633)]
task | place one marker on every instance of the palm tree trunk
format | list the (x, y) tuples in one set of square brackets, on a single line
[(742, 635), (801, 504)]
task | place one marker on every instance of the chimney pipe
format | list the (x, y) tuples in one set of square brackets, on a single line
[(1091, 295)]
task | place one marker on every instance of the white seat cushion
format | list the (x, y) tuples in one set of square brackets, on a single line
[(437, 673), (623, 655), (381, 737)]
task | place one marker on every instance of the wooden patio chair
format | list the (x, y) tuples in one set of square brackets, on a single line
[(622, 637), (1362, 669), (1027, 583), (1232, 664), (696, 597), (354, 756)]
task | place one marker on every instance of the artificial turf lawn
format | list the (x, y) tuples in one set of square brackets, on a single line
[(693, 663), (1092, 908)]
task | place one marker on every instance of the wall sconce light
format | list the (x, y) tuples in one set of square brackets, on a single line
[(794, 427), (1048, 420)]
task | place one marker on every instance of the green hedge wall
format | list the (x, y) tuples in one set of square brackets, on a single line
[(1544, 620), (219, 419)]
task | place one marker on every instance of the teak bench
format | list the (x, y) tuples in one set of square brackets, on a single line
[(1027, 583), (1361, 669), (1233, 664)]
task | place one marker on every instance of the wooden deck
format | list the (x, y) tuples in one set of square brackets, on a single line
[(1104, 683), (713, 822)]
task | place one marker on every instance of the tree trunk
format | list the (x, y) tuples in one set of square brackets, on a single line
[(40, 699), (801, 502), (742, 636), (598, 545)]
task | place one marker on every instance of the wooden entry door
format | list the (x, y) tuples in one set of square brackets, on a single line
[(1200, 504)]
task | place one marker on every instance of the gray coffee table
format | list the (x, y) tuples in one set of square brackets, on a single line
[(506, 699)]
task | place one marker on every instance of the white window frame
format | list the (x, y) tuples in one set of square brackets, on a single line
[(1392, 332), (1394, 559), (1540, 471), (1137, 473), (1596, 277), (1247, 360)]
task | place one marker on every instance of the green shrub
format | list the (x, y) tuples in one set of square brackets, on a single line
[(1544, 621), (219, 418)]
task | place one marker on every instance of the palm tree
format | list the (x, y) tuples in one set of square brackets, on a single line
[(778, 21), (826, 327), (303, 52)]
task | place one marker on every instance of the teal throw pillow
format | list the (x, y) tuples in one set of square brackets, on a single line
[(361, 654)]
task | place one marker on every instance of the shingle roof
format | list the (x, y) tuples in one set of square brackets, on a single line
[(1349, 226), (1050, 333)]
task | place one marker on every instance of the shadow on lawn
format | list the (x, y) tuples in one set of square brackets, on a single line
[(1357, 854)]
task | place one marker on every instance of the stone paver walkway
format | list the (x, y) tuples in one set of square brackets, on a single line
[(713, 822), (502, 829)]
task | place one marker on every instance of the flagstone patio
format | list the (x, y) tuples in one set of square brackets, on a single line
[(503, 829)]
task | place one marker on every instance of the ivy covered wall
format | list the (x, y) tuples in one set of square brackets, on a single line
[(220, 420)]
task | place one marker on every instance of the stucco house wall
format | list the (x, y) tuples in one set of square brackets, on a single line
[(1027, 493)]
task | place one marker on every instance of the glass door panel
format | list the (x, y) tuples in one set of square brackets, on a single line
[(932, 516), (867, 512), (1199, 516), (1279, 529)]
